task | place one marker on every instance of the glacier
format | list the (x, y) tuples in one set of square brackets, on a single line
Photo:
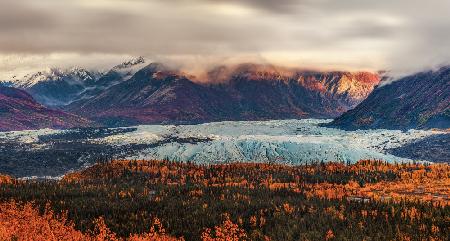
[(281, 141)]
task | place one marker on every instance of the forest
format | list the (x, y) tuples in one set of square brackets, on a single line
[(164, 200)]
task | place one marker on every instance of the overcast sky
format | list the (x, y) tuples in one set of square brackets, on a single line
[(398, 35)]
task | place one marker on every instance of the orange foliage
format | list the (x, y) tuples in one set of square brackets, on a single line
[(430, 183), (157, 233), (417, 181), (228, 231), (4, 179), (329, 235), (24, 222)]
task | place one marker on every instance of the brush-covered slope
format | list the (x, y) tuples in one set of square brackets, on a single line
[(421, 101), (19, 111)]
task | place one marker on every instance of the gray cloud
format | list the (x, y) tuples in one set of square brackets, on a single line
[(279, 6), (402, 36)]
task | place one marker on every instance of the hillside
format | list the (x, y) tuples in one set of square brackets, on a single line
[(19, 111), (419, 101)]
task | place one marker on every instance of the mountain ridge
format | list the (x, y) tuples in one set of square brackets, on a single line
[(159, 94), (54, 87), (19, 111), (421, 100), (138, 92)]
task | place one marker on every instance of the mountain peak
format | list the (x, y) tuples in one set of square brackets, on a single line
[(53, 74), (131, 62), (128, 68)]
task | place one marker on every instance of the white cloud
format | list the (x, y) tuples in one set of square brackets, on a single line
[(402, 36), (20, 65)]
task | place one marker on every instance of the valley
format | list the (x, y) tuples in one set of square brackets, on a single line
[(238, 120), (50, 153)]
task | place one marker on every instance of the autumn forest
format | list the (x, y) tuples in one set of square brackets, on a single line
[(163, 200)]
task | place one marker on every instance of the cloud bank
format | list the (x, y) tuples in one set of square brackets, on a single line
[(402, 36)]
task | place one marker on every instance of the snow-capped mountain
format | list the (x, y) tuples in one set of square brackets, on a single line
[(160, 94), (129, 68), (56, 87), (59, 87), (135, 92), (116, 75), (73, 76), (120, 73)]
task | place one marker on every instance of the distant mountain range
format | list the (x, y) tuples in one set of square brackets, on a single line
[(137, 92), (419, 101), (159, 94), (19, 111), (57, 88)]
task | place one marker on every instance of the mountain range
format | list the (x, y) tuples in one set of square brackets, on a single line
[(58, 87), (159, 94), (137, 92)]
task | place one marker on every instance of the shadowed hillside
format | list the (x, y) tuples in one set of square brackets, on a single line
[(19, 111), (417, 101)]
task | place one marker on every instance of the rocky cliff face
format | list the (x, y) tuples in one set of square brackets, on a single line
[(351, 88), (421, 100)]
